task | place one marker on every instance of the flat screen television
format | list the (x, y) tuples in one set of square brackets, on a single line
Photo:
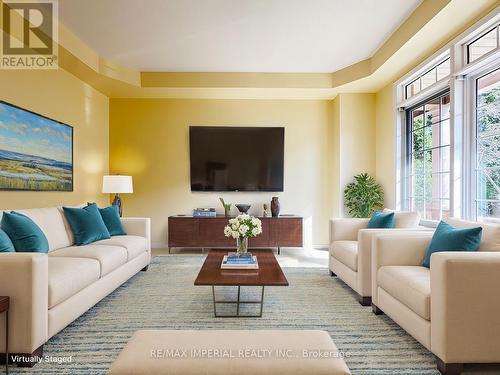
[(227, 158)]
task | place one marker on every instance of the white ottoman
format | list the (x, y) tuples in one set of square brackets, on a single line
[(266, 352)]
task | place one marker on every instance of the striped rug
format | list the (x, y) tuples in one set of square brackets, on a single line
[(164, 298)]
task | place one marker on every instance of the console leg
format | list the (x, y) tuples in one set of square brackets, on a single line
[(279, 251), (365, 301), (376, 310), (449, 368)]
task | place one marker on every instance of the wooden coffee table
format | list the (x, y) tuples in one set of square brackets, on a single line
[(268, 274)]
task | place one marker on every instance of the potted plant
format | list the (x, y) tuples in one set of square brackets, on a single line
[(363, 196), (241, 228)]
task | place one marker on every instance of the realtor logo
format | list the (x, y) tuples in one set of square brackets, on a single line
[(29, 34)]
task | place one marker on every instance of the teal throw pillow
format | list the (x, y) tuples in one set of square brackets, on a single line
[(111, 217), (448, 238), (381, 220), (25, 235), (86, 224), (6, 245)]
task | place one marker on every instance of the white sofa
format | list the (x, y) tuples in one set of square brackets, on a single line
[(350, 249), (453, 308), (48, 291)]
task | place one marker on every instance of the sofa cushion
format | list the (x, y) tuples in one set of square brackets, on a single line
[(410, 285), (24, 233), (6, 245), (135, 245), (405, 219), (346, 252), (490, 238), (52, 223), (111, 217), (67, 276), (86, 224), (109, 257)]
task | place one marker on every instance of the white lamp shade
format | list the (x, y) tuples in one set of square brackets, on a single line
[(117, 184)]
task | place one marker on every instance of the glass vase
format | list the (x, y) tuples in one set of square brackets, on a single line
[(242, 245)]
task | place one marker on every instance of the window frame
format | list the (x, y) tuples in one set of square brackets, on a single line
[(462, 115), (471, 140), (408, 153)]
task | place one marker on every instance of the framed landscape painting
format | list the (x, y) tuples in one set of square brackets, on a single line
[(36, 153)]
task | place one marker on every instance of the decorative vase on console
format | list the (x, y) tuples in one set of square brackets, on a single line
[(275, 206), (241, 228)]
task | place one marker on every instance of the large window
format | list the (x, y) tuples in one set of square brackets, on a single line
[(488, 145), (428, 157)]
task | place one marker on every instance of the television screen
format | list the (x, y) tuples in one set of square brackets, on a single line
[(227, 158)]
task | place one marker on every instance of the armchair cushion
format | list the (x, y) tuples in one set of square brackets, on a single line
[(405, 219), (346, 252), (490, 237), (381, 220), (410, 285), (448, 238)]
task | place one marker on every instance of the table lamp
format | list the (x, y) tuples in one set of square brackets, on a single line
[(115, 185)]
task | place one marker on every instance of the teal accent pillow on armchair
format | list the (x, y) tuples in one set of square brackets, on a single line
[(111, 218), (24, 233), (6, 245), (448, 238), (381, 220), (86, 224)]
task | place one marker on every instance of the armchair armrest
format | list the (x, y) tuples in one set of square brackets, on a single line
[(346, 229), (138, 226), (465, 306), (24, 278), (365, 239), (397, 249)]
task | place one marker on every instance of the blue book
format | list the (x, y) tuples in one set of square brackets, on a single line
[(241, 260)]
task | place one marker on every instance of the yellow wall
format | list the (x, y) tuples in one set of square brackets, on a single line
[(62, 97), (149, 140), (356, 139), (386, 144)]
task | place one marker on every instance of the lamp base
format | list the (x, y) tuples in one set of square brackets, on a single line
[(117, 201)]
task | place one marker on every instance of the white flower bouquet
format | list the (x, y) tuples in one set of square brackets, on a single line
[(241, 228)]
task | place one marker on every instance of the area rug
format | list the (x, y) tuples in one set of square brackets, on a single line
[(164, 297)]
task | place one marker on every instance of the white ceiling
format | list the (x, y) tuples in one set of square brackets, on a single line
[(309, 36)]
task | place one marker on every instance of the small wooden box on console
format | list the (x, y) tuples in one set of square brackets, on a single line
[(189, 231)]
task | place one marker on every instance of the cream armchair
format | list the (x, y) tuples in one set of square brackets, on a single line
[(453, 308), (350, 250)]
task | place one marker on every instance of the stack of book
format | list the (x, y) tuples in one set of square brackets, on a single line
[(239, 263), (204, 212)]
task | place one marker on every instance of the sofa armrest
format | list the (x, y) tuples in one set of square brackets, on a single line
[(138, 226), (397, 249), (465, 306), (346, 229), (24, 278)]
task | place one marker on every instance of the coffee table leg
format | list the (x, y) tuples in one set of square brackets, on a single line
[(238, 302), (7, 342), (215, 303), (261, 302)]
